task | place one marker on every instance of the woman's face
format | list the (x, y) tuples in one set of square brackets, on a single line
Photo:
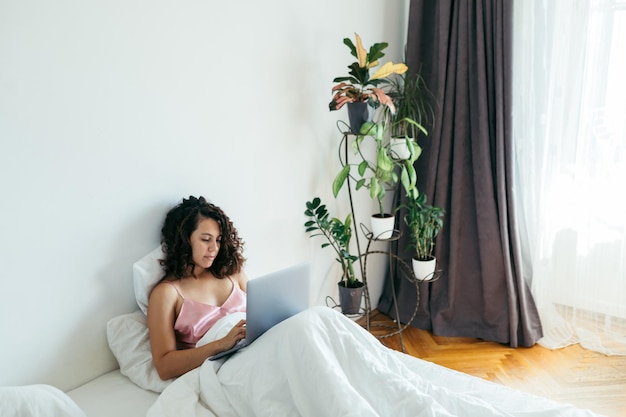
[(205, 243)]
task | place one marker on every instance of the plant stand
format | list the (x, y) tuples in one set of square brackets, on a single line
[(406, 272), (392, 330), (404, 268)]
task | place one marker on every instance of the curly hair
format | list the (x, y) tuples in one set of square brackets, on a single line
[(181, 221)]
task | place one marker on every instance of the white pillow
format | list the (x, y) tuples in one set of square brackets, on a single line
[(147, 272), (130, 343), (37, 401)]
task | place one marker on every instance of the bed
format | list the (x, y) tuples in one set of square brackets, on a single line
[(222, 389), (187, 395)]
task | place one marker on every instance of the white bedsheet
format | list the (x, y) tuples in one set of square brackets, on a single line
[(319, 363), (113, 395)]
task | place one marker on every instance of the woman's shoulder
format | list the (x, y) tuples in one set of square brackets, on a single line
[(166, 289), (241, 279), (163, 301)]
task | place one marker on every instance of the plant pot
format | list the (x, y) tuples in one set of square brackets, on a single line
[(424, 270), (358, 113), (350, 298), (382, 226), (398, 149)]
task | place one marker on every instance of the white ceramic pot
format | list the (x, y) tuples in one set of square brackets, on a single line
[(424, 270), (382, 227), (398, 149)]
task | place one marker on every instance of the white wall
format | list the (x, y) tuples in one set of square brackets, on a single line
[(111, 111)]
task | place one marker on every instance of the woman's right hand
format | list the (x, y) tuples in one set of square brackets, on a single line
[(235, 334)]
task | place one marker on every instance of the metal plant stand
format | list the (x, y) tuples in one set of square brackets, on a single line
[(405, 270)]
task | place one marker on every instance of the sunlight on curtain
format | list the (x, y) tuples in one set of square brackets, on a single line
[(569, 130)]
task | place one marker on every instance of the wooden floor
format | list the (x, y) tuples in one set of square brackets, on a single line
[(573, 375)]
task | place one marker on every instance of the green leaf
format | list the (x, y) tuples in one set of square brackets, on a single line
[(417, 152), (384, 161), (348, 42), (357, 143), (366, 127), (412, 175), (340, 179), (417, 125), (411, 147), (362, 75), (414, 193), (363, 167), (404, 178), (376, 51), (374, 188), (352, 80), (312, 205), (379, 132), (348, 221)]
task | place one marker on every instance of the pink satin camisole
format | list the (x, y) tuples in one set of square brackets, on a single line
[(196, 318)]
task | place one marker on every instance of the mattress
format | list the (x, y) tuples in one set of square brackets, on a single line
[(113, 395)]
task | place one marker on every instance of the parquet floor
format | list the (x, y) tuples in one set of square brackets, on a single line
[(573, 375)]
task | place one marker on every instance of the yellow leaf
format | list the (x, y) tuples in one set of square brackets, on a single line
[(388, 69), (372, 64), (361, 53)]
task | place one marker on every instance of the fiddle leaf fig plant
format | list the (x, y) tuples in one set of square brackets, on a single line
[(337, 234)]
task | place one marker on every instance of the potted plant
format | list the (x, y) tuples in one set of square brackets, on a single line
[(360, 91), (381, 175), (425, 223), (338, 235), (413, 110)]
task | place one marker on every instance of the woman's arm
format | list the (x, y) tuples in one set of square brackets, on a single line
[(168, 361)]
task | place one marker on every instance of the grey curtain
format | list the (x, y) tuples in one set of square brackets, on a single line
[(463, 48)]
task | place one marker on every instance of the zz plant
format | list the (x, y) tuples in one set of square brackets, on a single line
[(338, 235), (425, 223)]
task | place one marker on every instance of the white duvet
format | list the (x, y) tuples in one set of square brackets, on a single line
[(320, 364)]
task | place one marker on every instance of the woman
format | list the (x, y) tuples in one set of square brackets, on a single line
[(204, 282)]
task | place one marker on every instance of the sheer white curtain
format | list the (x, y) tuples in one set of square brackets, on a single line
[(569, 129)]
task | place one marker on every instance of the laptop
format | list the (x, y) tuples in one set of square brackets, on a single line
[(271, 299)]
